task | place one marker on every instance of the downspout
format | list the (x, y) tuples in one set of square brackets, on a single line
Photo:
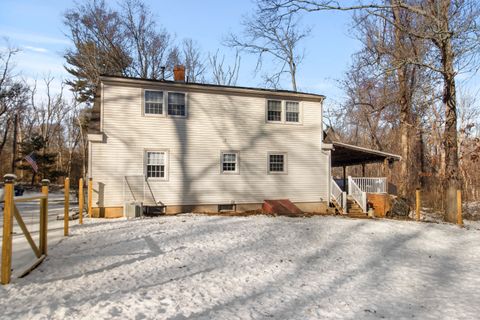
[(329, 157), (90, 175)]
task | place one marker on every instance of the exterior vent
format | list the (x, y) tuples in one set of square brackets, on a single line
[(226, 207)]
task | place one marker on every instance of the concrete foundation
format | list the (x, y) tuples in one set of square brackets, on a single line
[(117, 212)]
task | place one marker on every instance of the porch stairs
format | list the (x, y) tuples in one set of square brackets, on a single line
[(283, 207), (354, 210), (349, 205)]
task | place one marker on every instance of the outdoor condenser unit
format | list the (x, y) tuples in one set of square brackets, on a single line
[(132, 209)]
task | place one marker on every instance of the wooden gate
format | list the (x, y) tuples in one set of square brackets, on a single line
[(11, 211)]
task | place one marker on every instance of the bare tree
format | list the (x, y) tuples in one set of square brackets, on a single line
[(452, 30), (13, 95), (224, 74), (277, 37), (50, 110), (125, 42), (149, 46), (99, 46), (195, 66)]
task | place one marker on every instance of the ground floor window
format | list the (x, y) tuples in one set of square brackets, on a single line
[(277, 162), (229, 162), (156, 164)]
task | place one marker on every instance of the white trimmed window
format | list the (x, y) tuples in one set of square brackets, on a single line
[(176, 104), (281, 111), (229, 162), (292, 111), (153, 102), (156, 164), (274, 110), (277, 163)]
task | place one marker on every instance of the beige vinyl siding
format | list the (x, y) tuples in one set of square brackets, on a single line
[(214, 123)]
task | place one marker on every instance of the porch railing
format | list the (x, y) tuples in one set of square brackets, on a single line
[(339, 195), (357, 193), (371, 185)]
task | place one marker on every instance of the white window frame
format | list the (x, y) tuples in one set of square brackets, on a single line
[(237, 162), (165, 98), (167, 163), (299, 112), (285, 162), (144, 102), (284, 112), (165, 104)]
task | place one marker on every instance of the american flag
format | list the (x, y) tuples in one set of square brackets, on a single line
[(33, 162)]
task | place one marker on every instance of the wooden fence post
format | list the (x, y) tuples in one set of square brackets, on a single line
[(66, 207), (80, 200), (417, 207), (459, 208), (9, 207), (44, 217), (90, 191)]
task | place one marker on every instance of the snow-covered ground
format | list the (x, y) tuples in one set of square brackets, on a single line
[(206, 267), (23, 255)]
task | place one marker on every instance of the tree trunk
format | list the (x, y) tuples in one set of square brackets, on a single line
[(404, 104), (451, 181), (450, 140), (293, 74), (405, 115)]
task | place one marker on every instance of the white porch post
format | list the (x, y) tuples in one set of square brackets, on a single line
[(349, 184)]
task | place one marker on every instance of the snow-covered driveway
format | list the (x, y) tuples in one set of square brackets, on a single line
[(201, 267)]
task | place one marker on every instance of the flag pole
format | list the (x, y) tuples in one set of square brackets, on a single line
[(14, 145)]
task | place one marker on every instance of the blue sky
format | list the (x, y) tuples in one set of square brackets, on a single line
[(36, 27)]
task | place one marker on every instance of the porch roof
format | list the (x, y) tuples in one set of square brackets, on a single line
[(349, 155)]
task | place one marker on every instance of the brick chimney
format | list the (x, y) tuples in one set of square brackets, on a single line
[(179, 73)]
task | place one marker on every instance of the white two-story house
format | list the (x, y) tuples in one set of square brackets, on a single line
[(188, 147)]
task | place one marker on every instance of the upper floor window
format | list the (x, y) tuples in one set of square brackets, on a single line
[(176, 104), (229, 162), (153, 102), (274, 112), (292, 111), (280, 111), (156, 164)]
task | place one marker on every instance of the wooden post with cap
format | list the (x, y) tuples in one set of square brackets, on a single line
[(459, 208), (417, 206), (44, 217), (9, 207), (66, 208), (80, 200)]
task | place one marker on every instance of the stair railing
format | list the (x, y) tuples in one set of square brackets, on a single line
[(339, 195), (357, 194)]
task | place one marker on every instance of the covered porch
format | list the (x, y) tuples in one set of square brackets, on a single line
[(351, 193)]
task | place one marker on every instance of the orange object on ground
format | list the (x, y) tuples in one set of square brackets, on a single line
[(281, 207)]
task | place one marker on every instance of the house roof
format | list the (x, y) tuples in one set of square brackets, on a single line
[(344, 154), (214, 87)]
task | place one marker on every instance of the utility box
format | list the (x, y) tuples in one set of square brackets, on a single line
[(132, 209)]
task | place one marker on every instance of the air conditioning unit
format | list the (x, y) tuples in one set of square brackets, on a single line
[(132, 209)]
